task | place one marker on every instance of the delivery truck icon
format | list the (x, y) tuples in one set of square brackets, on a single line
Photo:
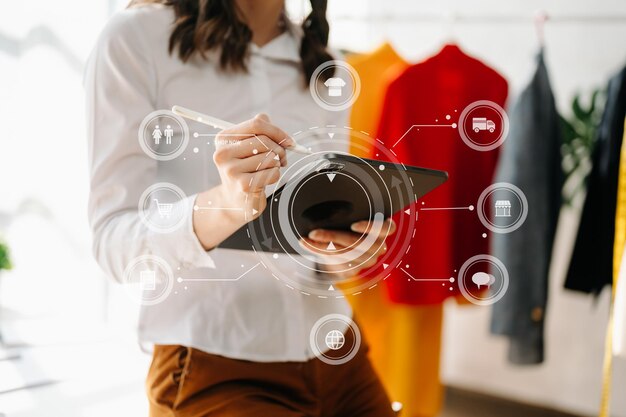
[(481, 123)]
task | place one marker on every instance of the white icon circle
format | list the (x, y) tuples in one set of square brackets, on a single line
[(330, 94), (502, 207), (483, 279), (163, 207), (148, 280), (163, 135), (327, 331), (482, 123)]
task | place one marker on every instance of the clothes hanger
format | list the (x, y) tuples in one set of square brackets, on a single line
[(541, 17), (450, 19), (450, 40), (386, 45)]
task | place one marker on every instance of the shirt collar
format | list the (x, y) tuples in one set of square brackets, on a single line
[(284, 47)]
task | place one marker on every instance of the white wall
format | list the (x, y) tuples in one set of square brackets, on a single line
[(581, 54)]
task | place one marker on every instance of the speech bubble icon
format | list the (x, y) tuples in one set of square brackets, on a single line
[(492, 279), (480, 278)]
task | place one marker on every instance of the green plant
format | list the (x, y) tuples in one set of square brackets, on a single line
[(5, 259), (579, 134)]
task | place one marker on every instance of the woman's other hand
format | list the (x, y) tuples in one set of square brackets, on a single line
[(347, 258)]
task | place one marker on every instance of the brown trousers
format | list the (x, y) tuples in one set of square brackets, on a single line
[(186, 382)]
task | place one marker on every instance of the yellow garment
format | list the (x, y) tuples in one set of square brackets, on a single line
[(375, 71), (620, 213), (405, 345), (405, 341), (618, 251)]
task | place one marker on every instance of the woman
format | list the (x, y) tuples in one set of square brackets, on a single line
[(221, 348)]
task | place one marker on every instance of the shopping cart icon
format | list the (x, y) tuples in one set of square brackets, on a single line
[(164, 209)]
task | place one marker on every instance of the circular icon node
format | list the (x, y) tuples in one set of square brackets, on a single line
[(335, 339), (341, 88), (483, 125), (162, 207), (483, 280), (148, 280), (163, 135), (502, 207)]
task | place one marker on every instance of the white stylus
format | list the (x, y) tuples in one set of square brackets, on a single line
[(222, 124)]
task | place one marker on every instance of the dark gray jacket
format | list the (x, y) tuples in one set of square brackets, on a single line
[(531, 160), (591, 265)]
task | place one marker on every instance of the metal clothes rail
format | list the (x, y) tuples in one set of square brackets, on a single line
[(494, 18)]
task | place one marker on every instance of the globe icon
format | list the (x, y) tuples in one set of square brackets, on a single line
[(335, 340)]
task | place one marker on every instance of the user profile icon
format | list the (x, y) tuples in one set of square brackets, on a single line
[(335, 85), (163, 135)]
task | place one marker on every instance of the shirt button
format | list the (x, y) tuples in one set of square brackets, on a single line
[(536, 314)]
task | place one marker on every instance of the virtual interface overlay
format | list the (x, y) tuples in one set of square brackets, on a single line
[(331, 189)]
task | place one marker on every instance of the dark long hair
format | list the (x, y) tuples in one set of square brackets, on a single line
[(203, 25)]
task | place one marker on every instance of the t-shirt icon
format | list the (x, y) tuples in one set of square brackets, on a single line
[(335, 85)]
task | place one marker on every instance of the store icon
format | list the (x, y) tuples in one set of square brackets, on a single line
[(503, 208)]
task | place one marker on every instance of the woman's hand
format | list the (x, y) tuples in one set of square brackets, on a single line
[(347, 259), (248, 157)]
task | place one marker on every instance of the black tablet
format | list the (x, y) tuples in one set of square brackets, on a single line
[(332, 191)]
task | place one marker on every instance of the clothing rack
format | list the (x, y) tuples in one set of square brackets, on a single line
[(479, 19)]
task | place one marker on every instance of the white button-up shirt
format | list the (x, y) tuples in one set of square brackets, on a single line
[(130, 74)]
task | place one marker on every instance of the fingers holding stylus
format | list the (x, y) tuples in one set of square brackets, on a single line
[(257, 181), (231, 146), (260, 162), (260, 125)]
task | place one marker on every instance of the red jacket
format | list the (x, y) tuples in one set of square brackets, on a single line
[(442, 85)]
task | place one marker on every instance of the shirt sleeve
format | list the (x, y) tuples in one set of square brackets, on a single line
[(120, 90)]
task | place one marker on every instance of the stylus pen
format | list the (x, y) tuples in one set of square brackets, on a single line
[(222, 124)]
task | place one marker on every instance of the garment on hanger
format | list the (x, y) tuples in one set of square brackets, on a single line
[(591, 265), (534, 141), (376, 70), (444, 239), (405, 341), (616, 331), (619, 264)]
